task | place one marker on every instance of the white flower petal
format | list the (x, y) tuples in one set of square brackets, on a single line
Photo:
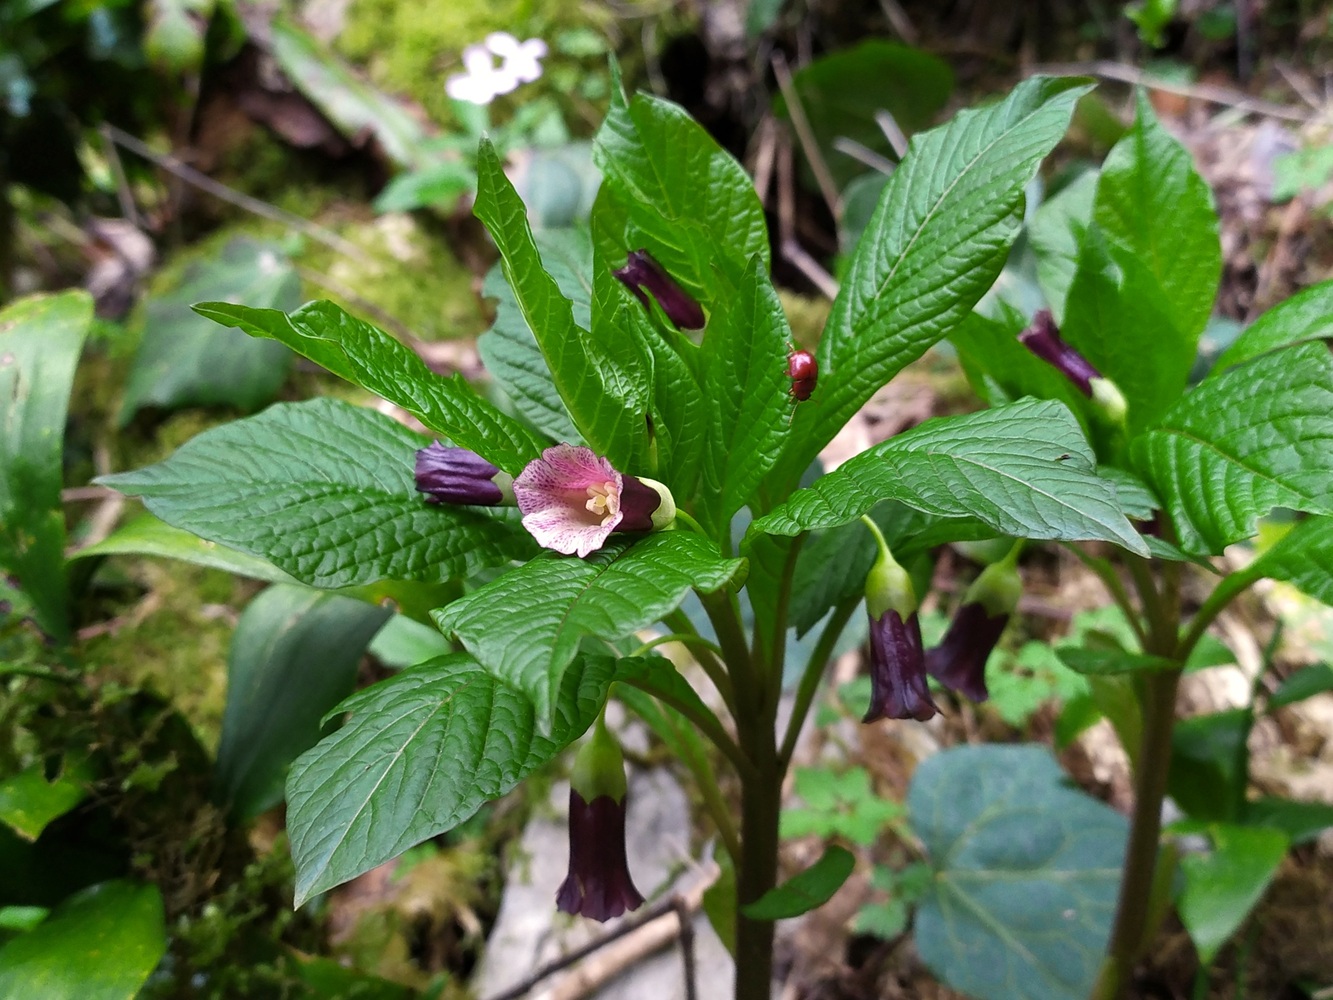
[(471, 89), (502, 43), (478, 61)]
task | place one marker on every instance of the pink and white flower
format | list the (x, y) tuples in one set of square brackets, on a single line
[(572, 499)]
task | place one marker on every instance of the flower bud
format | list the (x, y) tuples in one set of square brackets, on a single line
[(1042, 338), (642, 273), (598, 884), (459, 476)]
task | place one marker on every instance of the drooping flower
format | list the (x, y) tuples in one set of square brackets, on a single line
[(459, 476), (897, 670), (1043, 339), (572, 499), (897, 666), (959, 661), (641, 274), (598, 884)]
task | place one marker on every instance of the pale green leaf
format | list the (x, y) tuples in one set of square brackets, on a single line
[(1223, 886), (326, 492), (1024, 470), (1240, 444), (747, 392), (147, 535), (687, 199), (805, 890), (603, 382), (509, 350), (100, 944), (40, 341), (369, 357), (29, 801), (1026, 871), (1303, 557), (1307, 315), (1057, 230), (294, 655), (352, 104), (421, 753), (527, 625), (185, 360), (937, 241)]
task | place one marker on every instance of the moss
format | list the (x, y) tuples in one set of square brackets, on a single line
[(412, 275), (411, 48), (173, 640)]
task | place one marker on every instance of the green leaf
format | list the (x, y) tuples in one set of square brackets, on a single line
[(1152, 206), (746, 389), (294, 656), (1303, 557), (1147, 271), (367, 356), (509, 350), (40, 341), (404, 642), (659, 677), (100, 944), (937, 241), (1240, 444), (1222, 887), (355, 107), (806, 890), (1025, 470), (842, 92), (28, 801), (1112, 661), (1302, 822), (1209, 766), (422, 752), (1304, 683), (1026, 874), (527, 625), (146, 535), (603, 383), (185, 360), (1303, 317), (1057, 230), (325, 491), (686, 198)]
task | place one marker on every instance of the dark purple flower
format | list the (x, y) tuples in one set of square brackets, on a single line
[(598, 884), (897, 670), (1042, 338), (642, 273), (459, 476), (959, 661)]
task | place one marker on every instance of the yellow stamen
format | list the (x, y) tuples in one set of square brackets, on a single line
[(604, 501)]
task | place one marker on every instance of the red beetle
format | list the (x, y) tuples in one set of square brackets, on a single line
[(803, 370)]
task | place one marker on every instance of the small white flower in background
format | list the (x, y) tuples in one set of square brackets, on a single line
[(483, 80)]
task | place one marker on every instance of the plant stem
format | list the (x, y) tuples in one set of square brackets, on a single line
[(1154, 761), (814, 673), (707, 659), (706, 723), (758, 868), (1227, 590), (716, 805), (1107, 574), (684, 638)]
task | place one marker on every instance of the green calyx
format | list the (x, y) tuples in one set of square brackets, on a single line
[(599, 766), (999, 586), (666, 510), (888, 585), (1109, 400)]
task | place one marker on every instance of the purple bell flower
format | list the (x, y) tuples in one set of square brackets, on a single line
[(641, 274), (458, 476)]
